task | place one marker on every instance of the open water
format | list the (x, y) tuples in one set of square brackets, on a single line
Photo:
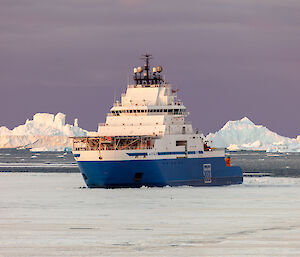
[(252, 163), (45, 210)]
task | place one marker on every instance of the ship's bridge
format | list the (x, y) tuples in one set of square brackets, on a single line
[(148, 95), (149, 107), (140, 99)]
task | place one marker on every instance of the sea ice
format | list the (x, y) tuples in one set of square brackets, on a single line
[(53, 214)]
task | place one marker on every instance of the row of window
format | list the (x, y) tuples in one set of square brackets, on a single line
[(171, 111)]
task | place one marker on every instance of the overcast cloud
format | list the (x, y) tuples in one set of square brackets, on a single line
[(229, 59)]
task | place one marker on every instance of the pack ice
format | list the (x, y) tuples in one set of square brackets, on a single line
[(45, 132), (245, 135)]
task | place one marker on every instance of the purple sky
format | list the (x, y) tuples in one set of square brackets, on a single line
[(229, 59)]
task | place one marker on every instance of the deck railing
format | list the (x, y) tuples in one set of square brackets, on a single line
[(112, 143)]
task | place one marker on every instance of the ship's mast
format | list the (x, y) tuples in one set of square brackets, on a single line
[(146, 57), (144, 76)]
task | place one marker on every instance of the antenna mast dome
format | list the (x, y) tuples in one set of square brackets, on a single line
[(159, 69), (146, 75)]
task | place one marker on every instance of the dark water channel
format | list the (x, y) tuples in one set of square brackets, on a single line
[(252, 163)]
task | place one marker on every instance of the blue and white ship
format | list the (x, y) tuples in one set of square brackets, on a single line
[(146, 141)]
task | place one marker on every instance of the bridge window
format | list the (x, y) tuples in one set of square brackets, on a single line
[(181, 143)]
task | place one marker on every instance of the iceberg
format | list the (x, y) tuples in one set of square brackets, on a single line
[(49, 132), (245, 135), (46, 124), (45, 132)]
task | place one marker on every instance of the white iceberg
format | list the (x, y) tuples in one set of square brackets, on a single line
[(45, 132), (46, 124), (245, 135), (49, 132)]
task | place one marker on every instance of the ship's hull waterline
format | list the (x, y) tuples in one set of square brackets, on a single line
[(166, 172)]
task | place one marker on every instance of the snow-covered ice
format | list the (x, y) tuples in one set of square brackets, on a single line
[(245, 135), (44, 132), (51, 215)]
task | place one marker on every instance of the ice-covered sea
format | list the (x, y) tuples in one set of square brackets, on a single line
[(53, 214)]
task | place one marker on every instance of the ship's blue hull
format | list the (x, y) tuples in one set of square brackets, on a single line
[(173, 172)]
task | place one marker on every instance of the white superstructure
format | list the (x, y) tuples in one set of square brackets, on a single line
[(152, 111), (149, 111)]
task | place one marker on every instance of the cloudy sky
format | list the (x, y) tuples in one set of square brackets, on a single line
[(229, 58)]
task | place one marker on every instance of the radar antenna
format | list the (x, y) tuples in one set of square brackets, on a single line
[(144, 75)]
